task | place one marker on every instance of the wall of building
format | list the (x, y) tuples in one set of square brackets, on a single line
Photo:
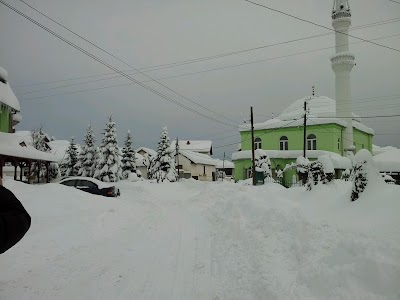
[(4, 119), (362, 140), (327, 137), (197, 169)]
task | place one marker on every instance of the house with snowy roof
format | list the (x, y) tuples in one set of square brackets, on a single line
[(196, 165), (331, 127), (15, 151)]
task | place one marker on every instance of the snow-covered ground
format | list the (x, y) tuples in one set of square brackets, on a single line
[(197, 240)]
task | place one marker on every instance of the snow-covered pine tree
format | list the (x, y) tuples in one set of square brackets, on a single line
[(128, 157), (315, 174), (109, 166), (263, 162), (87, 156), (39, 143), (162, 167), (69, 166)]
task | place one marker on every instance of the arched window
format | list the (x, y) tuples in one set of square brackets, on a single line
[(284, 143), (257, 143), (311, 142)]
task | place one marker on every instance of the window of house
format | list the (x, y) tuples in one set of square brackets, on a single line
[(338, 144), (311, 142), (362, 146), (284, 143), (248, 173), (257, 143), (204, 170)]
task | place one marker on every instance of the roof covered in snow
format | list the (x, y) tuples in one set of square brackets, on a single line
[(7, 96), (198, 158), (338, 161), (149, 151), (15, 146), (59, 148), (378, 150), (192, 145), (322, 110), (388, 161)]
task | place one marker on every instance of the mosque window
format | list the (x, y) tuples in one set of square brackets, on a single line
[(284, 143), (311, 142), (257, 143)]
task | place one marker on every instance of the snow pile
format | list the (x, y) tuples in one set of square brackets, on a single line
[(388, 161), (198, 240), (326, 164)]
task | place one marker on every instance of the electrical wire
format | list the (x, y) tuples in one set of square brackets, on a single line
[(187, 74), (222, 55), (127, 64), (322, 26), (113, 68)]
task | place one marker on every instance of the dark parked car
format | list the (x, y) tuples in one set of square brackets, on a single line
[(92, 186)]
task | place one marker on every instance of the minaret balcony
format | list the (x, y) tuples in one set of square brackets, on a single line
[(341, 14), (343, 58)]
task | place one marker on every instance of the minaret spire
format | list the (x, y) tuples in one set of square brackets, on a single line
[(342, 64), (341, 7)]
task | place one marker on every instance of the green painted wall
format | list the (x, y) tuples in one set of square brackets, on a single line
[(329, 138), (4, 120)]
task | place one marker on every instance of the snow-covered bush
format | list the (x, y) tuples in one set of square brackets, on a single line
[(263, 163), (162, 167), (316, 175), (328, 168), (109, 166), (128, 158), (364, 173), (69, 166), (302, 166), (87, 156), (346, 175)]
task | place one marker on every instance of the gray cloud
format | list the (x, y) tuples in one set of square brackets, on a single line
[(146, 33)]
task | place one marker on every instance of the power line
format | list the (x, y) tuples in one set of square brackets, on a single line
[(113, 68), (201, 59), (319, 25), (394, 1), (194, 73), (127, 64)]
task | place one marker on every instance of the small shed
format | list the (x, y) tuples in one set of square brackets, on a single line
[(14, 150)]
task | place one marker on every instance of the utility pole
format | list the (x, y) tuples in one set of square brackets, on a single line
[(177, 156), (252, 145), (223, 168), (305, 129)]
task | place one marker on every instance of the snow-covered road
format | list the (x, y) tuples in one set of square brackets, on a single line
[(193, 240)]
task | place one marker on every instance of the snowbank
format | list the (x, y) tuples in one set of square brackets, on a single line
[(199, 240), (388, 161)]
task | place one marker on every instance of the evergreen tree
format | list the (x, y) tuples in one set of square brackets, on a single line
[(128, 157), (39, 143), (69, 166), (86, 162), (162, 167), (109, 166)]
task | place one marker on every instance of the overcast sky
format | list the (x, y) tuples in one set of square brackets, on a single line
[(155, 32)]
